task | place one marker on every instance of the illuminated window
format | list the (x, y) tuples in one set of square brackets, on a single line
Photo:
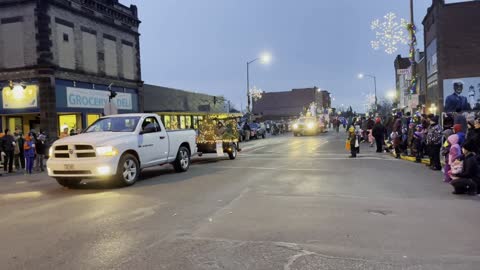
[(188, 122), (92, 118), (195, 122), (69, 122), (182, 122), (167, 122), (14, 123)]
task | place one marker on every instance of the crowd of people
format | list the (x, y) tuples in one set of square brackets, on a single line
[(455, 139), (24, 153)]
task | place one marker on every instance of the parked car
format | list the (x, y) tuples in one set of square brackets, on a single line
[(118, 147), (257, 131)]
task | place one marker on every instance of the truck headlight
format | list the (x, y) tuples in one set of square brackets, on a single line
[(106, 151), (50, 152), (295, 126), (310, 125)]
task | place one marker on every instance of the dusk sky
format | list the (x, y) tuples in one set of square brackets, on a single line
[(204, 45)]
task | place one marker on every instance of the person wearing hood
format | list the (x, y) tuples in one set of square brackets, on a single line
[(468, 180), (434, 142), (354, 140), (457, 129), (378, 132), (396, 135), (454, 152)]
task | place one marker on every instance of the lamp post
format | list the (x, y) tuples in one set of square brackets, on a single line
[(265, 58), (361, 76)]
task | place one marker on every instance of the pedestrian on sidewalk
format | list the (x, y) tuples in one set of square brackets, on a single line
[(29, 147), (468, 180), (454, 151), (246, 131), (419, 142), (396, 134), (474, 134), (40, 151), (19, 156), (370, 124), (8, 147), (434, 142), (457, 129), (461, 120), (378, 132)]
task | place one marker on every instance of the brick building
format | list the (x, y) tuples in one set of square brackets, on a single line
[(58, 57), (452, 49), (289, 104)]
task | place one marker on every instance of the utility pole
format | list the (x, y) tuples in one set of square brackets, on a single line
[(413, 42)]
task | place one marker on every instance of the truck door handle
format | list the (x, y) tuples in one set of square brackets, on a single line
[(162, 137)]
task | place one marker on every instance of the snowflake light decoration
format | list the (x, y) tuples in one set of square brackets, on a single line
[(389, 33), (255, 93)]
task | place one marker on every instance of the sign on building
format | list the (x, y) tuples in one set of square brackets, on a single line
[(95, 99), (20, 97)]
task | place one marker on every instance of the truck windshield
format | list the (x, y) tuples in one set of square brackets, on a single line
[(114, 124)]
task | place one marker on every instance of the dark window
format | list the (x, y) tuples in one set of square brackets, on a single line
[(65, 37), (101, 56)]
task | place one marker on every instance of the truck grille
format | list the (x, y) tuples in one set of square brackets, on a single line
[(74, 151)]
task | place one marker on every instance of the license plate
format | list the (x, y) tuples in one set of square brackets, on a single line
[(69, 167)]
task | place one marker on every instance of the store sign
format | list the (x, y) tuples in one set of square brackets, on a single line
[(95, 99), (20, 97)]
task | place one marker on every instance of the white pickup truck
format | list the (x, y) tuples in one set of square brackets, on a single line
[(117, 147)]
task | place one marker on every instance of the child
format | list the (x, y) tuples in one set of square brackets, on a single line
[(453, 154), (29, 147)]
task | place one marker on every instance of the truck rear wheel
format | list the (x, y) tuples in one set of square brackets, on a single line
[(182, 162), (68, 182), (128, 170)]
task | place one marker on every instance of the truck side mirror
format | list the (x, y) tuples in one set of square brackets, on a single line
[(148, 129)]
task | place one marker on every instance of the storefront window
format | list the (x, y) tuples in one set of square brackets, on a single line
[(92, 118), (167, 122), (188, 122), (71, 122), (15, 123), (182, 122)]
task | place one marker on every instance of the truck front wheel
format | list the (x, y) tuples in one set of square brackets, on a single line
[(68, 182), (128, 170), (182, 162)]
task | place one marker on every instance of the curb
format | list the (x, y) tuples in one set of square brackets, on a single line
[(425, 161)]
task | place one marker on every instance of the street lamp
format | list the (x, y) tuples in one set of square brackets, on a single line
[(361, 76), (264, 58)]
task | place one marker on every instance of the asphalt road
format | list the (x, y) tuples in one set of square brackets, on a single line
[(285, 203)]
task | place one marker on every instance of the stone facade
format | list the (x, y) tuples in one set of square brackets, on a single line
[(65, 40)]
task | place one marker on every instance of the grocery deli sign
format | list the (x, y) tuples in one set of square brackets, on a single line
[(95, 99)]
